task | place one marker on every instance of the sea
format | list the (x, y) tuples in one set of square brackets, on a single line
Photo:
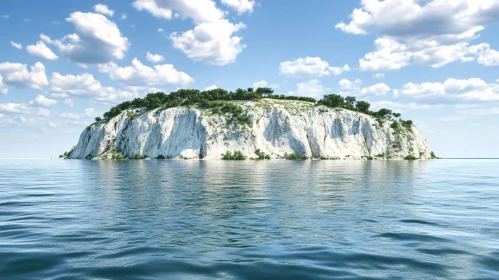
[(189, 219)]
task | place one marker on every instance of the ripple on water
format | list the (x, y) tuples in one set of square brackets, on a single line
[(249, 220)]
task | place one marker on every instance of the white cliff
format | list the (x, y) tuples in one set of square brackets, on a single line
[(277, 127)]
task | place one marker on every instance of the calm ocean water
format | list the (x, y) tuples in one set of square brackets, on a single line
[(249, 220)]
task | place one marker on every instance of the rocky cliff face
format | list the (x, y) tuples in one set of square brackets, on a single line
[(276, 127)]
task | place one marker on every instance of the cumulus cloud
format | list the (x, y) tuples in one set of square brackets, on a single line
[(103, 9), (15, 108), (474, 89), (43, 101), (16, 45), (377, 89), (40, 50), (379, 75), (85, 85), (17, 74), (309, 67), (264, 83), (212, 42), (43, 112), (312, 88), (97, 40), (212, 39), (210, 87), (88, 112), (423, 32), (155, 58), (3, 89), (141, 75), (349, 85), (241, 6)]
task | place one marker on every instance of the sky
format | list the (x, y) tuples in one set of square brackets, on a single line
[(63, 63)]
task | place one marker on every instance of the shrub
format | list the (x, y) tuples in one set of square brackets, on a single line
[(294, 156), (98, 119), (380, 155), (138, 157), (89, 157), (329, 158), (369, 157), (237, 155), (411, 157), (161, 157), (261, 155), (433, 156)]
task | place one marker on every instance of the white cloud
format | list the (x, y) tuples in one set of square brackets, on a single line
[(3, 89), (212, 39), (473, 89), (161, 30), (4, 16), (489, 58), (212, 42), (312, 88), (309, 67), (154, 57), (139, 74), (264, 83), (103, 9), (15, 108), (400, 106), (379, 76), (423, 32), (43, 112), (40, 50), (97, 40), (69, 102), (198, 10), (16, 45), (210, 87), (88, 112), (241, 6), (85, 85), (481, 112), (349, 85), (43, 101), (123, 16), (17, 74), (70, 116), (377, 89)]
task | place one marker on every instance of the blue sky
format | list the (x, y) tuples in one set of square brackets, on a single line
[(63, 63)]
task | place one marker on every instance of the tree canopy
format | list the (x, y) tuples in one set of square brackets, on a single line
[(190, 97)]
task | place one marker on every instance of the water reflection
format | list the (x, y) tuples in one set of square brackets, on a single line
[(247, 220)]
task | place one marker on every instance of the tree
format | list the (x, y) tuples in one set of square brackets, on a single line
[(397, 115), (333, 100), (98, 119), (350, 102), (363, 106), (384, 113)]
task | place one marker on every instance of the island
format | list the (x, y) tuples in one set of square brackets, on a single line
[(249, 124)]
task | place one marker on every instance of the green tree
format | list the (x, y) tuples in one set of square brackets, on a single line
[(363, 106), (333, 100), (98, 119), (350, 102)]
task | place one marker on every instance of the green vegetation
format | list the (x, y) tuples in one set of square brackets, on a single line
[(433, 156), (261, 155), (89, 157), (229, 109), (213, 100), (294, 156), (161, 157), (98, 119), (411, 157), (131, 115), (330, 158), (237, 155), (65, 155), (138, 157)]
